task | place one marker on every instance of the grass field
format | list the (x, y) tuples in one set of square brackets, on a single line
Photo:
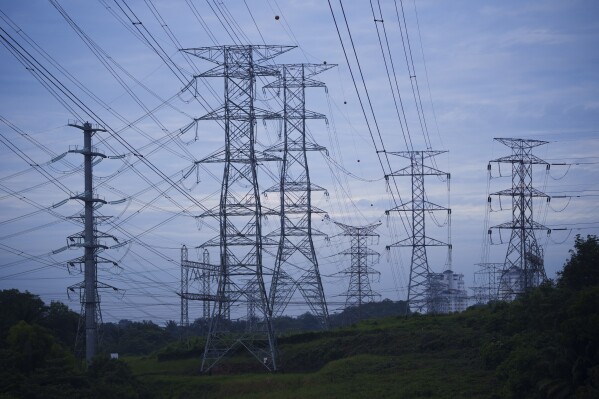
[(387, 358)]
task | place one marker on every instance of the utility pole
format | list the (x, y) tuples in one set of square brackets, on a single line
[(240, 240), (296, 265), (88, 239), (422, 295), (524, 265), (359, 291)]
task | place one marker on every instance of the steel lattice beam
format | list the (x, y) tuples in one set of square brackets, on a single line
[(296, 264), (420, 292), (196, 278), (524, 265), (359, 291), (240, 240)]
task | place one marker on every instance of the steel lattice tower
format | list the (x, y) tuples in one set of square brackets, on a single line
[(198, 275), (524, 265), (296, 265), (240, 277), (420, 291), (486, 280), (359, 291), (89, 239)]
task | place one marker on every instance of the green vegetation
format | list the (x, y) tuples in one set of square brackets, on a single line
[(37, 360), (543, 345)]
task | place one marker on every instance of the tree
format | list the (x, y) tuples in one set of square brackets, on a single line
[(16, 306), (111, 378), (31, 344), (582, 270), (62, 321)]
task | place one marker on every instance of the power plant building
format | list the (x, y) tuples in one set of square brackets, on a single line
[(447, 292)]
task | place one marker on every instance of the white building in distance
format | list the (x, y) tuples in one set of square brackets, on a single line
[(447, 292)]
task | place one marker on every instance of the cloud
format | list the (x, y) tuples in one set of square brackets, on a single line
[(534, 37)]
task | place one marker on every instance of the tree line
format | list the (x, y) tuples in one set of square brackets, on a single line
[(545, 344)]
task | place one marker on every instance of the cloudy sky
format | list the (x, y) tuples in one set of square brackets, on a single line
[(474, 70)]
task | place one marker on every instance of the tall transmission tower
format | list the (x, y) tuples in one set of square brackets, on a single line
[(240, 240), (524, 266), (196, 278), (89, 239), (359, 291), (421, 291), (296, 265)]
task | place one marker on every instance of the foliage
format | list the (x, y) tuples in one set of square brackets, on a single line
[(111, 378), (369, 310), (36, 355), (582, 270), (545, 344), (16, 306), (133, 338), (62, 322)]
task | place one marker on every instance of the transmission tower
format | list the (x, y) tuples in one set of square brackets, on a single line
[(240, 240), (196, 278), (421, 289), (89, 239), (487, 279), (524, 266), (359, 291), (296, 265)]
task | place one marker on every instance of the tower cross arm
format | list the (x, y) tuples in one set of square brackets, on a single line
[(411, 242), (426, 171), (521, 158), (417, 154), (526, 191), (512, 225), (519, 143), (362, 251), (215, 54), (363, 231)]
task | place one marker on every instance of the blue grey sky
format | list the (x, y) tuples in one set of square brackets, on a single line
[(484, 69)]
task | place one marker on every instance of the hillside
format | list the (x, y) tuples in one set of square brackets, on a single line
[(393, 357), (543, 345)]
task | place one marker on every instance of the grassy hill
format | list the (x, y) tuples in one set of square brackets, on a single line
[(545, 344), (418, 357)]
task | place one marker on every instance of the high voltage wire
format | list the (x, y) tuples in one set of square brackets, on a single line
[(223, 12), (28, 59), (339, 176), (405, 222)]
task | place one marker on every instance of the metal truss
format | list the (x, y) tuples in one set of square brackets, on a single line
[(240, 240), (419, 289), (296, 265), (486, 282), (524, 264), (196, 279), (359, 291)]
